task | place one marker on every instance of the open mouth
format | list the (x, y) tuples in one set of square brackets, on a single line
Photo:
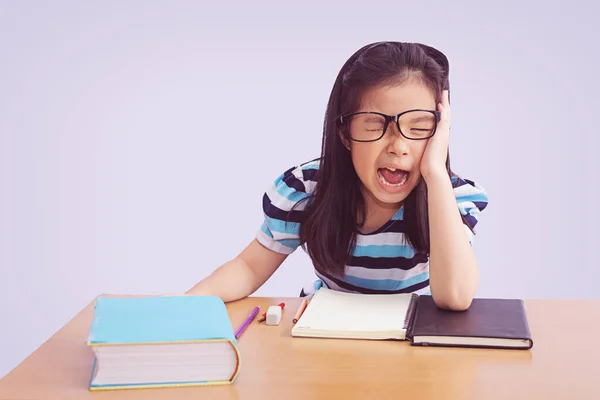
[(392, 177)]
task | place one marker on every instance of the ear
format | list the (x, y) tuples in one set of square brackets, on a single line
[(343, 137)]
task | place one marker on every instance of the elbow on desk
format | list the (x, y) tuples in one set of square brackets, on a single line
[(453, 302)]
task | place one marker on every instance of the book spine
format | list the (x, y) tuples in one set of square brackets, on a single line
[(411, 313)]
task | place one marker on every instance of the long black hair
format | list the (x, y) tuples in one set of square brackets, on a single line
[(337, 206)]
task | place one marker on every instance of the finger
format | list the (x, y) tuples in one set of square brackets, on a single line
[(444, 122), (443, 99), (444, 112), (444, 106)]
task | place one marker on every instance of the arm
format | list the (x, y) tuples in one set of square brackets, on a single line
[(241, 276), (453, 268), (277, 238)]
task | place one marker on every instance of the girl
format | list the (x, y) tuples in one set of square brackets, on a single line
[(380, 211)]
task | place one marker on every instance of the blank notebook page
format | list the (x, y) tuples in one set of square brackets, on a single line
[(331, 310)]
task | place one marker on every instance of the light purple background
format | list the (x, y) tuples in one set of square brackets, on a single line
[(136, 140)]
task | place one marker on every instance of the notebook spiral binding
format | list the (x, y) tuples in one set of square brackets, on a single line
[(411, 313)]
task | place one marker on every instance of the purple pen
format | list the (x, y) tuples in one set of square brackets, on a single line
[(243, 327)]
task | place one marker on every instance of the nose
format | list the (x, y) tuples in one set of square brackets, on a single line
[(398, 144)]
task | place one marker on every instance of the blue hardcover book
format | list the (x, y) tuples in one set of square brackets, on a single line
[(162, 341)]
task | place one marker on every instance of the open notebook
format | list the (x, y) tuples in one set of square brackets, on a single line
[(162, 341), (334, 314), (498, 323)]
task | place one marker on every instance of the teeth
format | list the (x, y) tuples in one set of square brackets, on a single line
[(402, 182), (391, 169)]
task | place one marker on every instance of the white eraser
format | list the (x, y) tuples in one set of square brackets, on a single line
[(273, 315)]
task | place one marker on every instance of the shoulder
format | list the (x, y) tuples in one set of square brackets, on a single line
[(292, 187), (471, 198), (283, 205), (301, 178)]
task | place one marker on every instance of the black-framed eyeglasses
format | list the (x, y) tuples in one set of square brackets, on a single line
[(370, 126)]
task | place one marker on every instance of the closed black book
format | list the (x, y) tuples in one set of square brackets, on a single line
[(489, 323)]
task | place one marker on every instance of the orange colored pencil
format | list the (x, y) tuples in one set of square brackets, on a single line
[(300, 310)]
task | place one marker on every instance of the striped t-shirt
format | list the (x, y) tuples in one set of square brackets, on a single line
[(383, 261)]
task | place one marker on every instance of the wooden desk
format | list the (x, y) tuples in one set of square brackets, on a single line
[(562, 364)]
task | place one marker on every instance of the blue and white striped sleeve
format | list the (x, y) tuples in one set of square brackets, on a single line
[(280, 230), (472, 199)]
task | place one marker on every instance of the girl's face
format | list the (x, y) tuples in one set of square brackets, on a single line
[(389, 168)]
